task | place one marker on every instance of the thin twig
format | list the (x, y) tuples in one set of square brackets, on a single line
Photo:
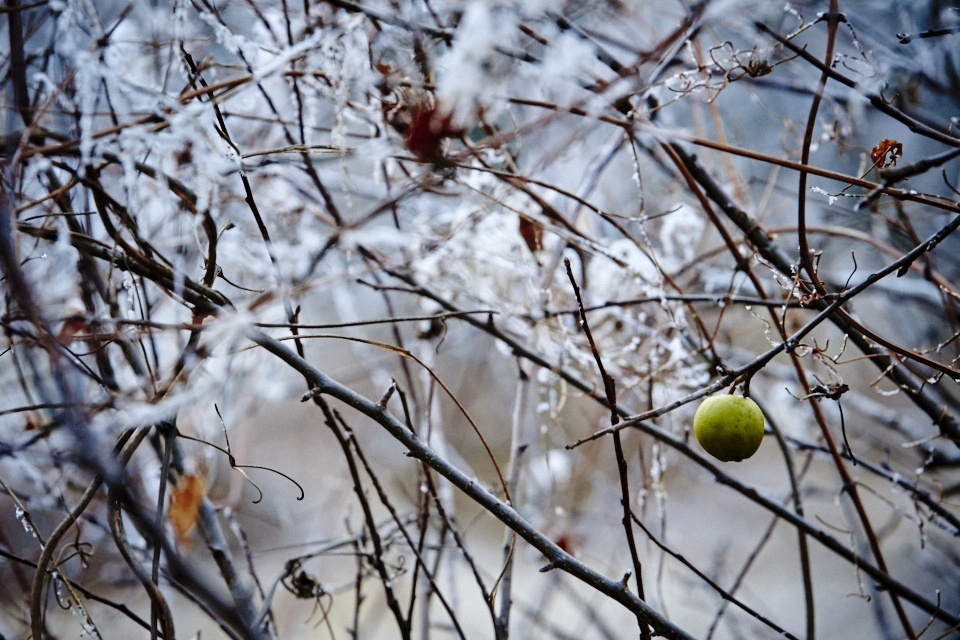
[(728, 597), (558, 558), (610, 391)]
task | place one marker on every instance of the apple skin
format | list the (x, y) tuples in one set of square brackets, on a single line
[(728, 427)]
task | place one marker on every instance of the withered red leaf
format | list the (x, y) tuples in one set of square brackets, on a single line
[(532, 233), (428, 127)]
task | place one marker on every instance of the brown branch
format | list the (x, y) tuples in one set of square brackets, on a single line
[(917, 390), (610, 390), (877, 101), (558, 558), (18, 62), (403, 624), (726, 595)]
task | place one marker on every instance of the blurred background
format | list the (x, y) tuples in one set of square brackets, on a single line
[(390, 190)]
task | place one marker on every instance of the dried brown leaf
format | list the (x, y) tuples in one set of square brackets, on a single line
[(884, 148)]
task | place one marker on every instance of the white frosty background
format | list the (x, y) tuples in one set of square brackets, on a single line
[(343, 88)]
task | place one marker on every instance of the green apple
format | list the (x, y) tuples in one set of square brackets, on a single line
[(728, 427)]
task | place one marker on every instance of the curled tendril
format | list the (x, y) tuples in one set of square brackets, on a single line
[(240, 467)]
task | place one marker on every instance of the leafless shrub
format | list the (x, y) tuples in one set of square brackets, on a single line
[(500, 250)]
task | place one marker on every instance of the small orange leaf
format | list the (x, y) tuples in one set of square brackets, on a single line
[(185, 502), (884, 148)]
